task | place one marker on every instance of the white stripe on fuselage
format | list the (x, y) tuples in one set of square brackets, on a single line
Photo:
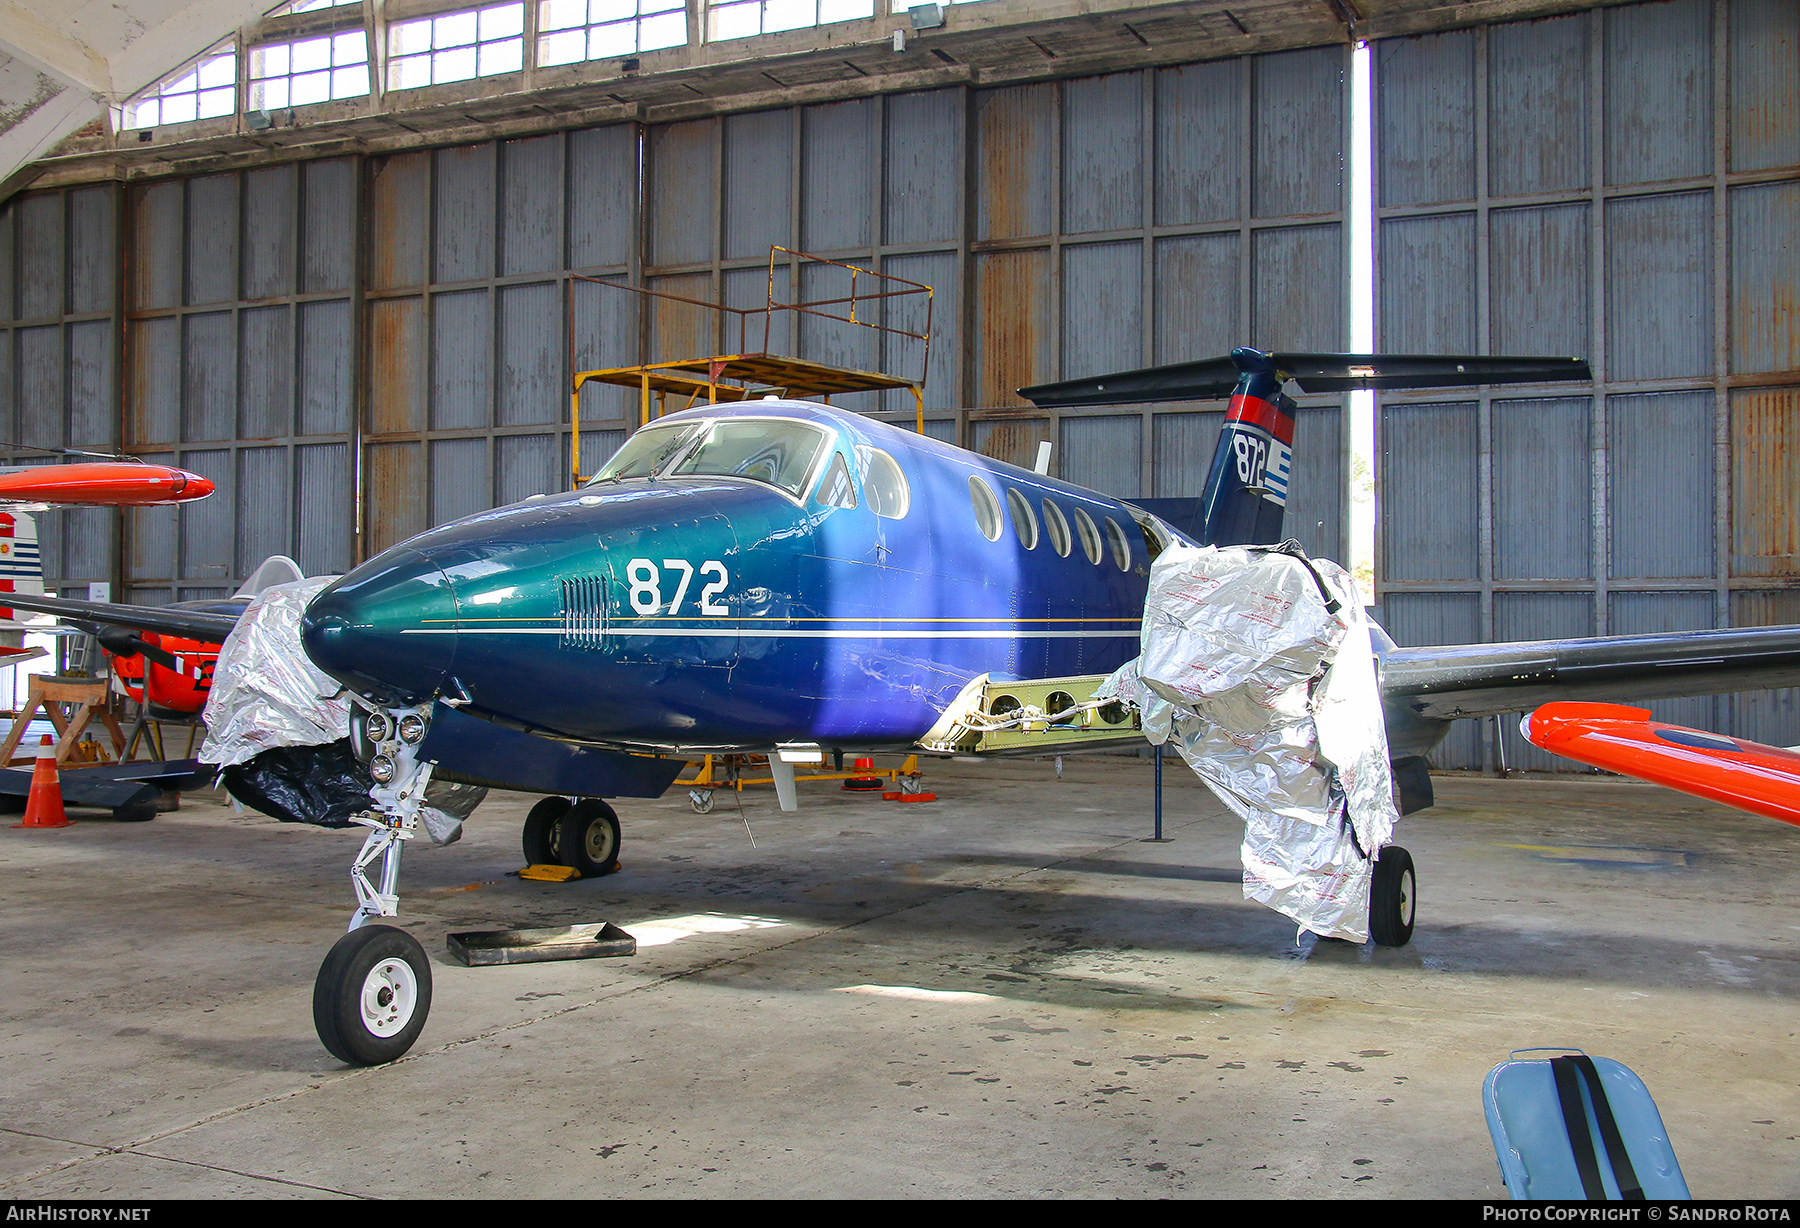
[(755, 633)]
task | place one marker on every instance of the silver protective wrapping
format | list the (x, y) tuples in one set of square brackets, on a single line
[(266, 692), (1257, 665)]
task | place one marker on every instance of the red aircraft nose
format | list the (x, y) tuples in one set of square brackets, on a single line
[(191, 486)]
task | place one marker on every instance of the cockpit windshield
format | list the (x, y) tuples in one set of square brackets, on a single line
[(764, 449), (646, 452)]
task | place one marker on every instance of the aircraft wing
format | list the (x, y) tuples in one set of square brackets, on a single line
[(191, 624), (1761, 779), (1485, 679)]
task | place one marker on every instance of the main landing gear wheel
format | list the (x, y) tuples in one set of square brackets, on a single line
[(540, 831), (372, 995), (588, 838), (1391, 898)]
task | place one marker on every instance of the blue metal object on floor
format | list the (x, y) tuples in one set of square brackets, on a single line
[(1528, 1105)]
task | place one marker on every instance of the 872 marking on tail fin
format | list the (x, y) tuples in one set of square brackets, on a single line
[(1263, 463)]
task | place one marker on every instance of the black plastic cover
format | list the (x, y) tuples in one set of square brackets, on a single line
[(323, 785)]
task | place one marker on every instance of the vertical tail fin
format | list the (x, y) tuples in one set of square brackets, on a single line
[(1247, 487), (21, 567)]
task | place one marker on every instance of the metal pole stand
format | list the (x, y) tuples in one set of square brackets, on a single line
[(1158, 838)]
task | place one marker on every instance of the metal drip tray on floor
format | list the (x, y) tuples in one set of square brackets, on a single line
[(480, 947)]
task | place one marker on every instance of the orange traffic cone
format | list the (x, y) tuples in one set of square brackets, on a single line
[(44, 805)]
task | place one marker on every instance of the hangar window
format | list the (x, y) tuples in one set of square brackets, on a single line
[(1121, 546), (1090, 535), (743, 18), (987, 508), (573, 30), (312, 6), (1057, 527), (884, 485), (309, 70), (456, 46), (199, 89), (1024, 523)]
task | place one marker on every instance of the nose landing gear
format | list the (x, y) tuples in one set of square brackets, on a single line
[(373, 991)]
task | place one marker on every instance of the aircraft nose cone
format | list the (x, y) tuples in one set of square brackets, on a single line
[(192, 486), (388, 630)]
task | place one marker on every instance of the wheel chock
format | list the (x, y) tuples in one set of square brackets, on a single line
[(482, 947), (550, 874), (908, 797)]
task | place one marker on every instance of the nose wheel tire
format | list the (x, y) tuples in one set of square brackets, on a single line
[(1392, 897), (540, 835), (588, 838), (372, 995)]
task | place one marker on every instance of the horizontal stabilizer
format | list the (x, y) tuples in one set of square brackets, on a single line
[(1212, 378), (193, 624), (1484, 679)]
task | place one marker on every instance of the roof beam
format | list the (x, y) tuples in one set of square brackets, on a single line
[(26, 36)]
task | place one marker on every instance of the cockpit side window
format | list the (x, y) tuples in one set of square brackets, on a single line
[(884, 484), (835, 489), (762, 449)]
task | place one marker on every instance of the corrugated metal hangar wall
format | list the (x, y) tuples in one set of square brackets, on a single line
[(355, 348), (1620, 184)]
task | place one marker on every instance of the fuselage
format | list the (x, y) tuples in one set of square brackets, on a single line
[(744, 594)]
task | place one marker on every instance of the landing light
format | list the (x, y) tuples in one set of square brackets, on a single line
[(412, 728), (381, 769)]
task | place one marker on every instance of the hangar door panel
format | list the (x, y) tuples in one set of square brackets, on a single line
[(239, 360), (1562, 186)]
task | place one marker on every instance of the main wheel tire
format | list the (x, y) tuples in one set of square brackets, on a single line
[(1392, 897), (540, 836), (372, 995), (588, 838)]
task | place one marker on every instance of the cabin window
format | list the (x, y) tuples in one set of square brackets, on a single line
[(1090, 536), (1121, 547), (1024, 522), (987, 508), (835, 489), (646, 452), (763, 450), (1155, 539), (1057, 528), (884, 485)]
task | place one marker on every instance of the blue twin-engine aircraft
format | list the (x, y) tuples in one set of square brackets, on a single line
[(789, 579)]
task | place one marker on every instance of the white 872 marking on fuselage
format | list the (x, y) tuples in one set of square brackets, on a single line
[(645, 579)]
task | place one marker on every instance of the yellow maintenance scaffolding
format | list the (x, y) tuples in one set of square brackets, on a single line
[(747, 374)]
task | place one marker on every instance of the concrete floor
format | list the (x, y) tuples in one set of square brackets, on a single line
[(1004, 993)]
